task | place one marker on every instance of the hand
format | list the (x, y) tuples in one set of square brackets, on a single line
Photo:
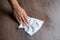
[(21, 15)]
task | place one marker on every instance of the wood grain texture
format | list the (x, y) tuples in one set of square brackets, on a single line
[(47, 10)]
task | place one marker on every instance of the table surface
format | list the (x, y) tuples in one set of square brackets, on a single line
[(47, 10)]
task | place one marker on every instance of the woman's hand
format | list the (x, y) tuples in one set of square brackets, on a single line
[(21, 15), (19, 12)]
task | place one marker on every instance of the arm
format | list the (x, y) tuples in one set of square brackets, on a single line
[(19, 12), (15, 4)]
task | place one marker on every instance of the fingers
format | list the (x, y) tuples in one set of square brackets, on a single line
[(21, 16), (24, 20), (16, 15)]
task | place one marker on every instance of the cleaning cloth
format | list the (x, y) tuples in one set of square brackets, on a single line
[(33, 27)]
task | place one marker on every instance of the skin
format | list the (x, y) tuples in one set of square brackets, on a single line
[(19, 12)]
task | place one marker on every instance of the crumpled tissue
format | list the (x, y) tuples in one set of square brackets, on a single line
[(33, 27)]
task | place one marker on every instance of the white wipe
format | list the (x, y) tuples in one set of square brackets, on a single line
[(33, 27)]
